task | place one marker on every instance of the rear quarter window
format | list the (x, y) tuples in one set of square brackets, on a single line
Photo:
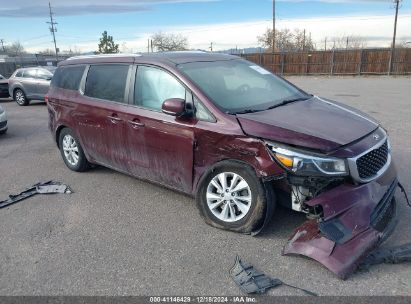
[(68, 77), (107, 82)]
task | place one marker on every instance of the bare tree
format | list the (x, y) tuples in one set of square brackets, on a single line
[(169, 42), (15, 49), (350, 42), (287, 40), (47, 52), (72, 51)]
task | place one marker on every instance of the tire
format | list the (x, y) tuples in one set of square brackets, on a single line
[(20, 97), (246, 212), (72, 152)]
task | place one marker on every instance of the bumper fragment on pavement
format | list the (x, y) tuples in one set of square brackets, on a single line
[(39, 188)]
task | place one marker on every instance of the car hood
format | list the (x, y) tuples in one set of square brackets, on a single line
[(315, 123)]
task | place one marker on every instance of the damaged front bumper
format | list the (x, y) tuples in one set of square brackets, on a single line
[(356, 219)]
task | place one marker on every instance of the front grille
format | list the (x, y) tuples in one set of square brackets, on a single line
[(369, 164), (3, 124), (385, 210)]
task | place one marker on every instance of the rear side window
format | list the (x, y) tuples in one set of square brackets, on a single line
[(30, 73), (44, 74), (68, 77), (107, 82), (19, 74)]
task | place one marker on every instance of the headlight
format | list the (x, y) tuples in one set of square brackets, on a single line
[(308, 165)]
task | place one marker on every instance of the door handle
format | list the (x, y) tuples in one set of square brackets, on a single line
[(136, 124), (114, 118)]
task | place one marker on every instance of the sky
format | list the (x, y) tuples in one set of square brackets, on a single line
[(226, 23)]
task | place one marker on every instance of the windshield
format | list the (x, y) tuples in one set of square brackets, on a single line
[(241, 86)]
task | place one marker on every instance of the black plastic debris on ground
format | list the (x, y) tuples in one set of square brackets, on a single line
[(393, 255), (252, 281), (49, 187)]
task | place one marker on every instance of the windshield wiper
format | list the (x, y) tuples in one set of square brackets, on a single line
[(246, 111), (287, 101)]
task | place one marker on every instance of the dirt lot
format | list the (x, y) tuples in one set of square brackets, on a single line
[(117, 235)]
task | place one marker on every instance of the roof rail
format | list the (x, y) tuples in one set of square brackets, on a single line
[(103, 56)]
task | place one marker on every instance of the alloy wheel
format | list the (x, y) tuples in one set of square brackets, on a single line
[(229, 197), (70, 149), (20, 98)]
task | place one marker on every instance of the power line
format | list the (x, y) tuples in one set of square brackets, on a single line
[(53, 31)]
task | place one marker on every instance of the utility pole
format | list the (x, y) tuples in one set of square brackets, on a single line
[(2, 45), (53, 31), (304, 41), (211, 47), (397, 4), (346, 46), (325, 44), (273, 26)]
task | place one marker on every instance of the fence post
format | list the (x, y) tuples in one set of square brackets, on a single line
[(360, 63), (332, 62), (282, 63)]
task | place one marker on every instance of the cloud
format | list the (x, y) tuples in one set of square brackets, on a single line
[(43, 11), (40, 9), (337, 1), (244, 34)]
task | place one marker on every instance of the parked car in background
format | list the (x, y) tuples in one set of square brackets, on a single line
[(30, 83), (4, 87), (3, 121), (237, 137)]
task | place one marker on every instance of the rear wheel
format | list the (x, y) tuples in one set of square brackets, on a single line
[(20, 97), (232, 197), (72, 152)]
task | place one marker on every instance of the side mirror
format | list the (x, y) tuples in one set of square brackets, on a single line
[(174, 106)]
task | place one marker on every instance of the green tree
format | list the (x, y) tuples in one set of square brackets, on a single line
[(107, 45)]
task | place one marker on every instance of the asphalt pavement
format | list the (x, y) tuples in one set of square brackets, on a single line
[(117, 235)]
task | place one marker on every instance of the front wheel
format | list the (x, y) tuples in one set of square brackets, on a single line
[(20, 98), (232, 197)]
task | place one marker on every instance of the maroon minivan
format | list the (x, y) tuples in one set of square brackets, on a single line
[(238, 138)]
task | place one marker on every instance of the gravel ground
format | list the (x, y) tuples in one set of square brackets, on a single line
[(117, 235)]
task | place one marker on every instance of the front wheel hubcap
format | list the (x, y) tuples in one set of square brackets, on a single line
[(229, 197), (70, 150)]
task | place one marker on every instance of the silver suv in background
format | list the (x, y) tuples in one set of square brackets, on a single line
[(30, 83)]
